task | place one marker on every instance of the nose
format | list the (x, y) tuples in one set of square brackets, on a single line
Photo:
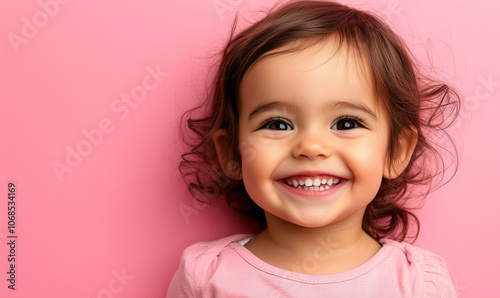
[(312, 146)]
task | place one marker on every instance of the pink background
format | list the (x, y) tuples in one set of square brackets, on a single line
[(109, 224)]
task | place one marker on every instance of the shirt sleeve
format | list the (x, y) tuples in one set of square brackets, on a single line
[(182, 285), (437, 281), (186, 281), (198, 263)]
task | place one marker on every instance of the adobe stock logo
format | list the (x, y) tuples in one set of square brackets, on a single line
[(248, 150), (122, 107), (222, 7), (31, 26), (484, 90), (116, 285)]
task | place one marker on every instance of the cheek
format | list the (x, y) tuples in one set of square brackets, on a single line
[(255, 155), (370, 160), (366, 162), (251, 148), (260, 151), (260, 158), (256, 174), (368, 155), (253, 171)]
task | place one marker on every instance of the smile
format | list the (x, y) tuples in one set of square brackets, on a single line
[(316, 183)]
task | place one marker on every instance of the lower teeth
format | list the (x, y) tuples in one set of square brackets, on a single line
[(314, 187)]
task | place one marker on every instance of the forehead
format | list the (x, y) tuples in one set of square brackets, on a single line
[(306, 69)]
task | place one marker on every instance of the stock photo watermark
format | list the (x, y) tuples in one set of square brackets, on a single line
[(222, 7), (485, 88), (11, 237), (122, 108), (212, 190), (116, 285), (326, 247), (31, 26), (248, 150), (459, 287), (391, 9)]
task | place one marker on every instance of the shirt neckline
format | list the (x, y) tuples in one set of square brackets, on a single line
[(262, 266)]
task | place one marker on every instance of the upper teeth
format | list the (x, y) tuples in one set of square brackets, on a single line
[(314, 183)]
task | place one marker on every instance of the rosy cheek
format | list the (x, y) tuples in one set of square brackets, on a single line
[(366, 160), (254, 175), (253, 169), (250, 147)]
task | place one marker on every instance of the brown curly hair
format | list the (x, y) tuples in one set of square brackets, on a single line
[(417, 105)]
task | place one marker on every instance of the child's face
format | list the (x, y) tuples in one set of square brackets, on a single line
[(311, 117)]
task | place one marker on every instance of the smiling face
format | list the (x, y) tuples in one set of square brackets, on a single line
[(312, 138)]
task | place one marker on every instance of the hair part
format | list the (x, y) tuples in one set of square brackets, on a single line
[(416, 105)]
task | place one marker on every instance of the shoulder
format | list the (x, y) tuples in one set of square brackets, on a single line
[(427, 269), (204, 253), (197, 262)]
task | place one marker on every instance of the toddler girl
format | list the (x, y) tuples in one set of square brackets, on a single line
[(319, 118)]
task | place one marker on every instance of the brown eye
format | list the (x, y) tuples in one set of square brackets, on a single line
[(277, 124), (346, 124)]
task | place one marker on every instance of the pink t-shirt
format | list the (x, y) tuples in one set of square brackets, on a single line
[(225, 268)]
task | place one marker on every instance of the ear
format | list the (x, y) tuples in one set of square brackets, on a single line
[(404, 151), (231, 168)]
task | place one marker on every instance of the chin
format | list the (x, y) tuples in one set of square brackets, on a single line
[(312, 222)]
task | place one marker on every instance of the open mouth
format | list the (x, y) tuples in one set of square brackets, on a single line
[(316, 183)]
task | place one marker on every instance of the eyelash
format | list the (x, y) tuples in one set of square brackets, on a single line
[(358, 122), (274, 120)]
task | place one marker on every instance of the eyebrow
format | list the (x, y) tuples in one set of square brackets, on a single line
[(279, 105), (353, 106), (274, 105)]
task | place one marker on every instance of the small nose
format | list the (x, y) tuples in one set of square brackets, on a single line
[(312, 146)]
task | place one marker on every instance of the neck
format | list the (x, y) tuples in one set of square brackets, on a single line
[(334, 248), (339, 236)]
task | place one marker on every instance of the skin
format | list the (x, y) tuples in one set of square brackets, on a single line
[(303, 114)]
